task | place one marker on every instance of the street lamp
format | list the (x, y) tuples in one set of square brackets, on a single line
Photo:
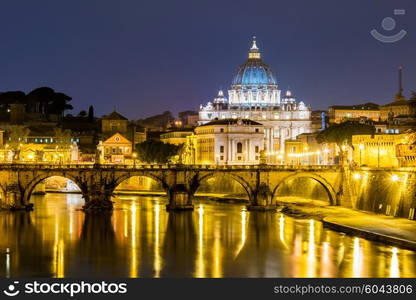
[(134, 159), (361, 146), (394, 178)]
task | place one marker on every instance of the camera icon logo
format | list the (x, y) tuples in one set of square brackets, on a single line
[(11, 290), (389, 24)]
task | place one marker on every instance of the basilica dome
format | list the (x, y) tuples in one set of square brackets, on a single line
[(254, 71)]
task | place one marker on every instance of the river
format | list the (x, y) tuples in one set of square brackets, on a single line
[(141, 239)]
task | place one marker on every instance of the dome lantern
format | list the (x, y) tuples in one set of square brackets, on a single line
[(254, 50)]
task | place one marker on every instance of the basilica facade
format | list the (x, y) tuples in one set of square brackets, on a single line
[(255, 95)]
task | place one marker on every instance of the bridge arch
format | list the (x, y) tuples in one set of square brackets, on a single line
[(329, 189), (28, 190), (240, 180), (2, 194), (124, 177)]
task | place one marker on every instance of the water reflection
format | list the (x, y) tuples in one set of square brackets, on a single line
[(141, 239)]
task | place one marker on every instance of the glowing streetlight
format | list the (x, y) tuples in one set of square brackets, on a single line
[(394, 178), (134, 158), (356, 176)]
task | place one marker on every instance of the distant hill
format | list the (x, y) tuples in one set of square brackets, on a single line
[(158, 121)]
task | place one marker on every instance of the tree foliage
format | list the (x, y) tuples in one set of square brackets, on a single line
[(42, 100), (91, 113), (156, 152), (343, 132)]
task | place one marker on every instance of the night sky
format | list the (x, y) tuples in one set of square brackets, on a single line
[(145, 57)]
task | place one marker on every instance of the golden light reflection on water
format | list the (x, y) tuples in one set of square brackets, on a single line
[(141, 239), (357, 267), (134, 264), (200, 265), (394, 264)]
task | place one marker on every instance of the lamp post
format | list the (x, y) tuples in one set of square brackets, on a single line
[(134, 159), (361, 146), (378, 154)]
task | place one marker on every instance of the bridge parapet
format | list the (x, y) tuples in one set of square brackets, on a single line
[(98, 181)]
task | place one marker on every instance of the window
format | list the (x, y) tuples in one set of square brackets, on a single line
[(239, 158), (113, 150), (222, 130), (222, 149), (256, 149), (221, 157), (257, 130), (239, 148)]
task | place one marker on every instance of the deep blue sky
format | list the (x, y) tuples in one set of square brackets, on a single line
[(145, 57)]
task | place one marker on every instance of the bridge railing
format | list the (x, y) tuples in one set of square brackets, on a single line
[(163, 166)]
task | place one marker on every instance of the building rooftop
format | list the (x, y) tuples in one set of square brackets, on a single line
[(232, 122), (114, 116), (365, 106), (400, 103)]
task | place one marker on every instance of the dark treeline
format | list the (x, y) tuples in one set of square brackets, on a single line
[(43, 100)]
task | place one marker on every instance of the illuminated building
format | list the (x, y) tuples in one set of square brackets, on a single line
[(406, 155), (39, 144), (400, 107), (379, 150), (228, 141), (175, 137), (189, 118), (255, 95), (304, 150), (116, 123), (116, 150), (368, 111)]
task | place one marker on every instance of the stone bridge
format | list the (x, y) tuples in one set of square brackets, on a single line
[(98, 182)]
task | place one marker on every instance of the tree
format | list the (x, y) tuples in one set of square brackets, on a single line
[(82, 113), (91, 113), (156, 152), (59, 104), (342, 133), (11, 97), (45, 100)]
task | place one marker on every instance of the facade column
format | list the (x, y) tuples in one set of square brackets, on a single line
[(228, 150), (249, 150), (246, 154), (282, 140)]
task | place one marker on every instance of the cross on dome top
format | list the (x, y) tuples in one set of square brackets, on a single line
[(254, 50)]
